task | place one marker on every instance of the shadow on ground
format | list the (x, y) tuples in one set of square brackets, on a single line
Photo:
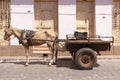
[(61, 62), (67, 62)]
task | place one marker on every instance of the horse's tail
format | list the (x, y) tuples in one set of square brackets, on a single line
[(61, 45)]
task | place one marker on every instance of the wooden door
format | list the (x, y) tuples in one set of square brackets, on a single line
[(4, 19), (46, 15), (85, 16), (46, 18)]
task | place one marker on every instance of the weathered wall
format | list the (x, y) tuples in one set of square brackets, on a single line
[(103, 15), (22, 15), (67, 17)]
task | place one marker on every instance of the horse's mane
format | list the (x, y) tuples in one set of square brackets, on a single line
[(16, 29)]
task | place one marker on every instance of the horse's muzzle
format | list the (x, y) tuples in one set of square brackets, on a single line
[(6, 38)]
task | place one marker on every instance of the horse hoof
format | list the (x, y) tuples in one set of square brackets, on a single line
[(50, 64), (26, 64)]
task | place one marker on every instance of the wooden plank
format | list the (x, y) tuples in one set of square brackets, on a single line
[(87, 41), (46, 18), (46, 15)]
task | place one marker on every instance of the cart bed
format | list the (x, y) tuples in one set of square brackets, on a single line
[(96, 43)]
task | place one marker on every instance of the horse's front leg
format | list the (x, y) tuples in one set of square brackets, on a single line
[(26, 54)]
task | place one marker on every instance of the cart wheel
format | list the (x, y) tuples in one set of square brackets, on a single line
[(85, 58)]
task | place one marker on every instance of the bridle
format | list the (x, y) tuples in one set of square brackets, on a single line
[(7, 37)]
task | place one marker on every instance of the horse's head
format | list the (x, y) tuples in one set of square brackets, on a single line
[(8, 33)]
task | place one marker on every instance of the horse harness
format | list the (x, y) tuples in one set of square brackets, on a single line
[(28, 36)]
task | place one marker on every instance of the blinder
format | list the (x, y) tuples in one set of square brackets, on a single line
[(6, 36)]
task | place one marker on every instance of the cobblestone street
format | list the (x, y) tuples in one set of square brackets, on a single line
[(108, 69)]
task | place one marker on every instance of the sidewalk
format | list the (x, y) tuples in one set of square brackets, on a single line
[(108, 57), (23, 58)]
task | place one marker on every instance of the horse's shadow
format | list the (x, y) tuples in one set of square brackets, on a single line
[(31, 63), (22, 62), (61, 62)]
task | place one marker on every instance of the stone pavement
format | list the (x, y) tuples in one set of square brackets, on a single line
[(109, 57), (108, 69)]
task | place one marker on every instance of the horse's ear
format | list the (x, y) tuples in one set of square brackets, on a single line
[(7, 27)]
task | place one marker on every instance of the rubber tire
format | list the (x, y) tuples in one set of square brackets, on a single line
[(89, 54)]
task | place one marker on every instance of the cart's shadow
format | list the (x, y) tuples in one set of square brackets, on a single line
[(67, 62)]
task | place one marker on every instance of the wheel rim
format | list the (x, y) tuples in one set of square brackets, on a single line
[(85, 59)]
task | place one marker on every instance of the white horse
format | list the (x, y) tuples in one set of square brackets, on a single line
[(30, 38)]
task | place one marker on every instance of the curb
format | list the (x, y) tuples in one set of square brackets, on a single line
[(46, 59), (109, 57)]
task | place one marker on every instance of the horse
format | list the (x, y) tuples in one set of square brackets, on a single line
[(32, 38)]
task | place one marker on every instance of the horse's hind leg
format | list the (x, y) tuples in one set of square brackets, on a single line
[(27, 54), (55, 54), (53, 50), (54, 58)]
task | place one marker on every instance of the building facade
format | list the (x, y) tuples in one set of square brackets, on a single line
[(97, 17)]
